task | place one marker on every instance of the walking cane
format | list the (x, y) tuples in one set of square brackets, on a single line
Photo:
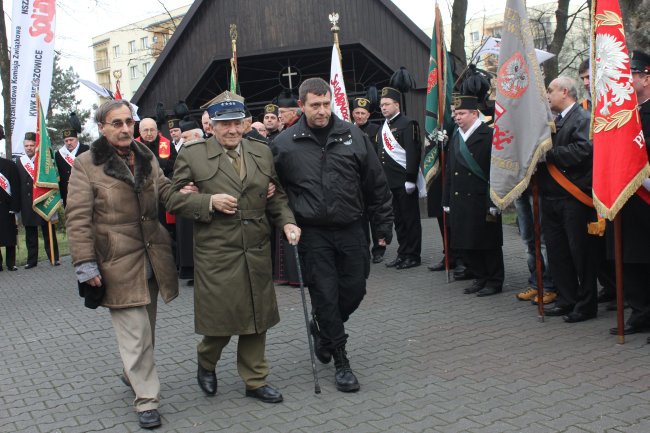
[(304, 308)]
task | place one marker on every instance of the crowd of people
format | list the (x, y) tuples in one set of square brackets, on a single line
[(224, 204)]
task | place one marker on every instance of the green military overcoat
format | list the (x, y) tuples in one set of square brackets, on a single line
[(233, 286)]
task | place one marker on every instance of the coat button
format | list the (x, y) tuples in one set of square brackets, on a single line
[(143, 218), (456, 174), (245, 222), (148, 244), (456, 193)]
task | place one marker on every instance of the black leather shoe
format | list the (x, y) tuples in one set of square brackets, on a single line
[(574, 317), (378, 257), (475, 287), (323, 355), (149, 419), (488, 291), (557, 311), (395, 262), (628, 329), (30, 265), (267, 394), (648, 340), (57, 263), (207, 380), (408, 263), (12, 268), (190, 283), (440, 266), (462, 275), (604, 296)]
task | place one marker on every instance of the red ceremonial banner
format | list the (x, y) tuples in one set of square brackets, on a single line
[(620, 156)]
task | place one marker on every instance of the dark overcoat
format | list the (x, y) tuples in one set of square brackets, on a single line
[(467, 196), (233, 287), (64, 168), (9, 203)]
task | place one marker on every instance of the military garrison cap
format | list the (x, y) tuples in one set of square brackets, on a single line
[(227, 106), (640, 62), (394, 94)]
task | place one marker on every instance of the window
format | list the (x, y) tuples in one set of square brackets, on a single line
[(145, 68), (134, 72), (144, 43), (474, 36), (116, 51), (131, 46)]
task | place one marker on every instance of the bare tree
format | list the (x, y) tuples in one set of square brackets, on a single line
[(5, 73), (636, 15), (458, 16)]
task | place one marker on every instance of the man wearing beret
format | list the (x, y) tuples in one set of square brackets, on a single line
[(271, 121), (474, 222), (289, 111), (65, 158), (233, 287), (29, 218), (635, 217), (399, 153)]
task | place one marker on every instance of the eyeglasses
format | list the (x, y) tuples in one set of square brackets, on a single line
[(117, 124)]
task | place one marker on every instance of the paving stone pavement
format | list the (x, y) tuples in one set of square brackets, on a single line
[(429, 359)]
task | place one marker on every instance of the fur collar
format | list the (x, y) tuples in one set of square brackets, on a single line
[(103, 154)]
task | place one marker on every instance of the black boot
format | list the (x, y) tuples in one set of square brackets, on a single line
[(321, 353), (344, 378)]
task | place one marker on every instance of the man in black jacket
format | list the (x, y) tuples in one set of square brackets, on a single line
[(65, 158), (399, 153), (9, 207), (332, 176), (566, 215), (474, 222)]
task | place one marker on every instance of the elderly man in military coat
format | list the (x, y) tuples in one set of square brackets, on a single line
[(233, 287)]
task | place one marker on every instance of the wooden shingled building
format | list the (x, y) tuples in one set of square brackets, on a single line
[(280, 43)]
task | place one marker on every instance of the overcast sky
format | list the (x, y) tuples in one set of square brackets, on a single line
[(79, 20)]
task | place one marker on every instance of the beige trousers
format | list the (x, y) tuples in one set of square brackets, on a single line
[(135, 331), (251, 363)]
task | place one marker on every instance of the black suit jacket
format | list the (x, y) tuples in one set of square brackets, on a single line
[(407, 134), (572, 153)]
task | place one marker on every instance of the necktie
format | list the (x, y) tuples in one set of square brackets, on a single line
[(558, 118), (235, 160)]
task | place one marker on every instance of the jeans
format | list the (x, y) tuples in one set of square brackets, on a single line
[(524, 206)]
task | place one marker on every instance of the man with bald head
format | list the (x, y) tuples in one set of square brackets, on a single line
[(565, 186), (259, 126)]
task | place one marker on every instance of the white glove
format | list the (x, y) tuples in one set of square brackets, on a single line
[(409, 187), (445, 209), (494, 211), (441, 135), (646, 184)]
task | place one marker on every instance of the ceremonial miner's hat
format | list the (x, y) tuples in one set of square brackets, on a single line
[(188, 124), (271, 109), (227, 106), (640, 62), (389, 92), (466, 102), (361, 103), (173, 123), (73, 127), (31, 136)]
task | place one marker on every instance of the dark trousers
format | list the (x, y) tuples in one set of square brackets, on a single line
[(572, 254), (486, 266), (11, 256), (336, 263), (31, 239), (636, 288), (406, 209)]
